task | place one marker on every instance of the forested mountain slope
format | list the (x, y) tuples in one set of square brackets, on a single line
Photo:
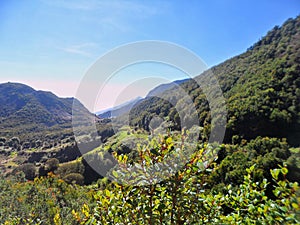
[(261, 87), (24, 109), (251, 178)]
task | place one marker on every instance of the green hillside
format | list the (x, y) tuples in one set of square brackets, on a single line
[(251, 178), (261, 87), (25, 111)]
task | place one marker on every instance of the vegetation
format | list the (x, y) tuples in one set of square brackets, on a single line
[(185, 199), (261, 86), (46, 200), (161, 179)]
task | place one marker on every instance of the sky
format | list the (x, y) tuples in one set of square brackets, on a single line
[(51, 44)]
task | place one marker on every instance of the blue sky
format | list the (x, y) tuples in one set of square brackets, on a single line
[(49, 44)]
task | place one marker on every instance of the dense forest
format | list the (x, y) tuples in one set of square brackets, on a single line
[(251, 178), (261, 87)]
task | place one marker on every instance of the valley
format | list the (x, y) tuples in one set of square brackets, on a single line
[(51, 176)]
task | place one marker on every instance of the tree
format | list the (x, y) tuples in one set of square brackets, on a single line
[(51, 164), (74, 178), (28, 169), (3, 139)]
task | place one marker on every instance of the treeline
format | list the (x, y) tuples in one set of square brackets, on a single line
[(14, 143), (250, 179)]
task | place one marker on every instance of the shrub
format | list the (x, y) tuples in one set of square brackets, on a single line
[(28, 169), (3, 139), (26, 145), (15, 140), (70, 167), (183, 198), (46, 200), (38, 143), (74, 178), (51, 164)]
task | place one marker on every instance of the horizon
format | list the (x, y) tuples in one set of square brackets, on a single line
[(55, 42)]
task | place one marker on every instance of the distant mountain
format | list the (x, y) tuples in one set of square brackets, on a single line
[(125, 107), (24, 109), (261, 88), (118, 110), (163, 87)]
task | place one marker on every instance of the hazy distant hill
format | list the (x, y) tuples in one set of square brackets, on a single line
[(25, 109), (118, 110), (125, 107)]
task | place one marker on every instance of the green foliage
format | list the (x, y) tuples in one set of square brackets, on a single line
[(293, 164), (74, 178), (52, 164), (261, 87), (46, 200), (183, 198), (51, 120), (214, 185), (250, 204), (160, 192), (70, 167), (267, 153), (28, 169)]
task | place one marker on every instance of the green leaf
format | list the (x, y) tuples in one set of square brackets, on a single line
[(107, 193), (284, 170), (115, 174), (275, 173)]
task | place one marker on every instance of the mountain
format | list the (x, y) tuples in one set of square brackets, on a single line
[(261, 88), (118, 110), (126, 107), (163, 87), (262, 91), (24, 109)]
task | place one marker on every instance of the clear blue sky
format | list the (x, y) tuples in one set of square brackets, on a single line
[(49, 44)]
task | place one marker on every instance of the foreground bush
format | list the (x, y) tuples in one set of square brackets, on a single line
[(184, 204), (183, 199), (46, 200)]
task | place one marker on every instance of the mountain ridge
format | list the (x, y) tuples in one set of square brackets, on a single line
[(33, 110), (261, 87), (119, 109), (125, 107)]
